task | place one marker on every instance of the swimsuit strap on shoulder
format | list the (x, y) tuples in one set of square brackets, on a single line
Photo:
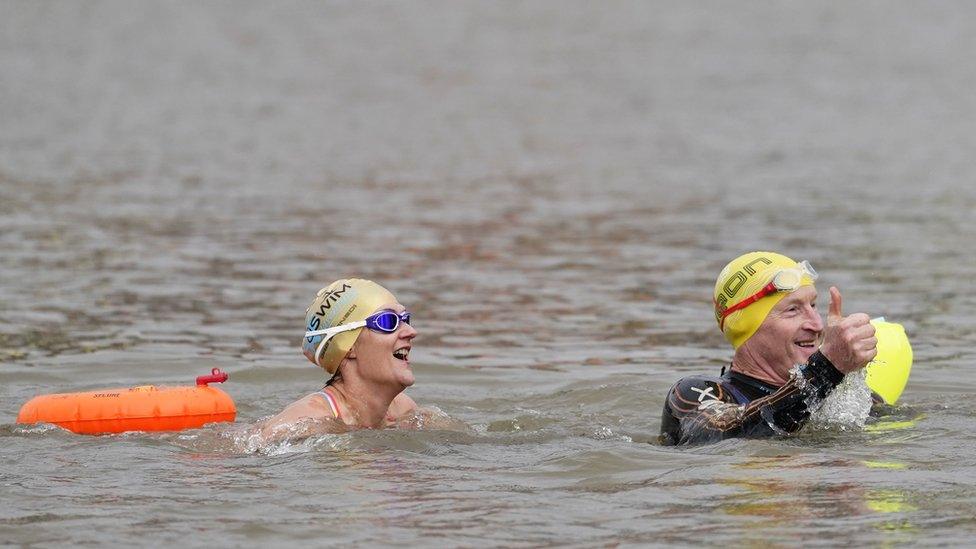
[(331, 400)]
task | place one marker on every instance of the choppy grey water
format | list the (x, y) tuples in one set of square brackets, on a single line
[(551, 188)]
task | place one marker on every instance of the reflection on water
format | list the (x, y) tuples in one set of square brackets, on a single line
[(786, 510), (551, 189)]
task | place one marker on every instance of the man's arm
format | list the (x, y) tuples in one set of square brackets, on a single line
[(700, 410)]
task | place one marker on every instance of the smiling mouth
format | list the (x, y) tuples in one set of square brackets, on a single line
[(401, 354), (808, 344)]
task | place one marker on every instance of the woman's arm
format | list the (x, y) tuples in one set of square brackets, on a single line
[(404, 413)]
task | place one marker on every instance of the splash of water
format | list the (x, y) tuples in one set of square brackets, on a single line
[(431, 417), (846, 407), (307, 434)]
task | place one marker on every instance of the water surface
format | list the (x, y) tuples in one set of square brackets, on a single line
[(551, 188)]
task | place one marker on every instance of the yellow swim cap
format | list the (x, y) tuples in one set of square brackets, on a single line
[(343, 301), (888, 372), (740, 281)]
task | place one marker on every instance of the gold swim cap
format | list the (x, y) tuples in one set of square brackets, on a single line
[(344, 301), (741, 280)]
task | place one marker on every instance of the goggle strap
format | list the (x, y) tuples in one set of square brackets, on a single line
[(803, 268), (318, 351), (329, 333), (766, 290), (337, 329)]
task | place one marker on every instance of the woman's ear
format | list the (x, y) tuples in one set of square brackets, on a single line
[(352, 352)]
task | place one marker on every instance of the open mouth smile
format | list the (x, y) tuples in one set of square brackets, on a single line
[(401, 353)]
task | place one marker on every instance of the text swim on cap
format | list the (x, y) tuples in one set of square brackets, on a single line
[(341, 302), (742, 277)]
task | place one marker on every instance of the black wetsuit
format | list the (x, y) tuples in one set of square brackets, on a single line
[(708, 408)]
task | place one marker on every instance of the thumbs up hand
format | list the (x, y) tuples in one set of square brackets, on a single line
[(849, 341)]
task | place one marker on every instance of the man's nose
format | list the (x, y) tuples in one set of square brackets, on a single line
[(813, 322)]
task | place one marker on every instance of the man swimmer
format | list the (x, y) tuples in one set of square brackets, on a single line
[(765, 304), (370, 367)]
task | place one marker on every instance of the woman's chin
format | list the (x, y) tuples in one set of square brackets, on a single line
[(405, 377)]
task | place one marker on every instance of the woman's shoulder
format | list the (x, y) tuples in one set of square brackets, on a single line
[(313, 406), (402, 405)]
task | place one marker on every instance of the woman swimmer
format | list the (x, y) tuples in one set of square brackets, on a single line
[(369, 367)]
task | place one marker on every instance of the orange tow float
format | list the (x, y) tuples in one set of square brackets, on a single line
[(144, 408)]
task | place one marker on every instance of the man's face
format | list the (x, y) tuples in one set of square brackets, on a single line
[(790, 333)]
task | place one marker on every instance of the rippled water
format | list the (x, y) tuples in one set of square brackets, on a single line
[(551, 188)]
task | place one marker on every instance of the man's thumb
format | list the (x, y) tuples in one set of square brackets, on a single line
[(834, 315)]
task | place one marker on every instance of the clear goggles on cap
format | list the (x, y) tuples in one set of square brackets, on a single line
[(385, 321), (784, 280)]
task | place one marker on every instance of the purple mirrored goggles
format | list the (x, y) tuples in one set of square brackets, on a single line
[(385, 321)]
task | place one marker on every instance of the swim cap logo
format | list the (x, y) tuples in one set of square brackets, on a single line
[(329, 299), (734, 283)]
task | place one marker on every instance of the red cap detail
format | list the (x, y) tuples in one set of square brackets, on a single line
[(216, 376)]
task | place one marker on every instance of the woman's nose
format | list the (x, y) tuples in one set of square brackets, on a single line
[(408, 331)]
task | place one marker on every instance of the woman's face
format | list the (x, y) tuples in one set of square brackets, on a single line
[(383, 358)]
